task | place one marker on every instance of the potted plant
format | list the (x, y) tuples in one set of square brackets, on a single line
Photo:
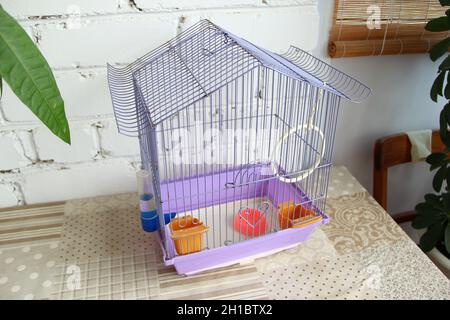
[(433, 215), (29, 76)]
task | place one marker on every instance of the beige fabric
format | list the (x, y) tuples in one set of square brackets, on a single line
[(26, 271), (343, 183), (361, 253), (358, 223), (395, 272), (125, 277), (235, 282), (317, 247), (29, 238), (420, 144), (117, 260)]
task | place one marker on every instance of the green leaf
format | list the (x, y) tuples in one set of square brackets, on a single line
[(447, 112), (438, 24), (444, 2), (438, 165), (439, 49), (447, 177), (434, 201), (439, 178), (445, 65), (447, 238), (446, 201), (423, 208), (436, 89), (428, 208), (28, 74), (427, 213), (436, 158), (431, 237), (425, 220), (447, 89), (443, 125)]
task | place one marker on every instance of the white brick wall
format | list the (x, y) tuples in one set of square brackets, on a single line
[(84, 180), (49, 148), (13, 155), (10, 195), (79, 37)]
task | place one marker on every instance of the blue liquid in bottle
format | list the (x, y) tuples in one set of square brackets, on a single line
[(147, 206)]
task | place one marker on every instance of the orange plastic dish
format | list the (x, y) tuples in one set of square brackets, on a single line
[(295, 216), (187, 234)]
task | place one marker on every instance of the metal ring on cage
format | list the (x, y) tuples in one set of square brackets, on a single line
[(305, 173)]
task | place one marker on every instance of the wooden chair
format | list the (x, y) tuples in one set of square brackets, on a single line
[(391, 151)]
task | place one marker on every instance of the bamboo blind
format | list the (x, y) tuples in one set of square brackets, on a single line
[(383, 27)]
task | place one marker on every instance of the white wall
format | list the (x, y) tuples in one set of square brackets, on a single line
[(400, 102), (36, 167)]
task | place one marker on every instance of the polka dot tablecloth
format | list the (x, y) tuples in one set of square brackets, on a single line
[(339, 278), (27, 271), (105, 234), (29, 250), (95, 249), (343, 183), (385, 272)]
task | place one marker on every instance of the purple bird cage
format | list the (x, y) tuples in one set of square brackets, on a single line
[(238, 141)]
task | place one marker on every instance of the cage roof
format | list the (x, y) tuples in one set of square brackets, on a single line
[(201, 60)]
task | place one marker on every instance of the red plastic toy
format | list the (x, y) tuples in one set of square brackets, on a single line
[(250, 222)]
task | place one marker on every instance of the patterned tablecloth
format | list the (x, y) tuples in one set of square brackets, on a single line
[(95, 249)]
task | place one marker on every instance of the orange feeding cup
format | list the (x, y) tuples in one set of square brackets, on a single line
[(295, 216), (187, 234)]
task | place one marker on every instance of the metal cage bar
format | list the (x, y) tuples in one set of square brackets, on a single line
[(239, 141), (201, 60), (214, 180)]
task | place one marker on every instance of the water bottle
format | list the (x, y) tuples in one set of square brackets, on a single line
[(147, 205)]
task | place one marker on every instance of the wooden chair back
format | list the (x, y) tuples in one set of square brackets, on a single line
[(391, 151)]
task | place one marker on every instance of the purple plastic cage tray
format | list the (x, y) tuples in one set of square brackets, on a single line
[(271, 188)]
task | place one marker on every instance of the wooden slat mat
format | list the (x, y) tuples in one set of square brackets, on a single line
[(234, 282), (33, 224)]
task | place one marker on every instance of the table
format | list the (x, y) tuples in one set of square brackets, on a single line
[(95, 249)]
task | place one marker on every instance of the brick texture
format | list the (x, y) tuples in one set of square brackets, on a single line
[(78, 38)]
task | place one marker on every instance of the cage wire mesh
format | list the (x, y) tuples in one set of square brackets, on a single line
[(239, 140)]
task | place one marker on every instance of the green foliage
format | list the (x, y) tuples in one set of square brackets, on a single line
[(447, 237), (29, 76), (438, 24), (440, 49), (438, 84), (445, 65), (434, 213)]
